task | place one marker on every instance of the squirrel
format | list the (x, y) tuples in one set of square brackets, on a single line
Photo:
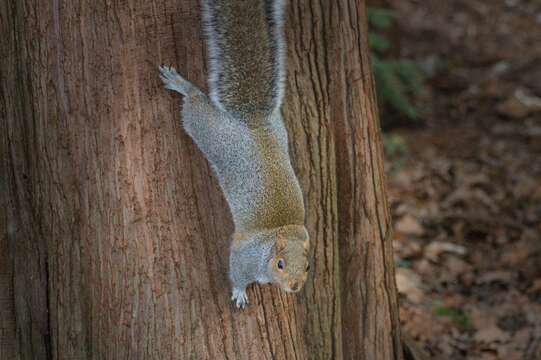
[(239, 129)]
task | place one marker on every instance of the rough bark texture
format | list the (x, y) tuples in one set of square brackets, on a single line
[(116, 236)]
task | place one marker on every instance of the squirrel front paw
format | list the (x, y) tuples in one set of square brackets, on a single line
[(173, 81), (240, 298)]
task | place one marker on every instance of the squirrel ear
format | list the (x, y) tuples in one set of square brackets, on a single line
[(281, 243)]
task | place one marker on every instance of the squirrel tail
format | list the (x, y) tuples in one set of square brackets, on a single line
[(246, 48)]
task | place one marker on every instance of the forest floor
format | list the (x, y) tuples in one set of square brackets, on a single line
[(465, 180)]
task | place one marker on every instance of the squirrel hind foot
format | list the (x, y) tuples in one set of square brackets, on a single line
[(240, 298)]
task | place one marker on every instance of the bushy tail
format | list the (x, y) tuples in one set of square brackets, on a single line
[(246, 47)]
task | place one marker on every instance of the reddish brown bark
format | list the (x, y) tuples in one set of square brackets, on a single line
[(118, 230)]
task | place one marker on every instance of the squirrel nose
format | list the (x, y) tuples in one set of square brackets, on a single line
[(295, 286)]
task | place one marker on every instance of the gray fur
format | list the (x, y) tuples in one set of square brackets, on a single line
[(241, 132), (246, 49)]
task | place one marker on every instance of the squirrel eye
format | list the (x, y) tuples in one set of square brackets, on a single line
[(281, 264)]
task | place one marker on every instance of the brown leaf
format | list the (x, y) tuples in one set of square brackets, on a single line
[(407, 248), (522, 338), (491, 334), (409, 284), (496, 276), (482, 317), (519, 105), (419, 323), (436, 248), (410, 226), (508, 353), (456, 266), (529, 245), (513, 108), (454, 300), (536, 287)]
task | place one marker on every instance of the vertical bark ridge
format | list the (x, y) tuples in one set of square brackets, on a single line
[(8, 343), (364, 231), (308, 117)]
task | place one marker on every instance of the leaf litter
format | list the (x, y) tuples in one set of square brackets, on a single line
[(467, 198)]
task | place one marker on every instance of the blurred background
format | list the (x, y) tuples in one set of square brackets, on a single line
[(459, 87)]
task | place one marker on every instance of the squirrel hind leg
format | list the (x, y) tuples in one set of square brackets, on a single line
[(240, 298), (173, 81)]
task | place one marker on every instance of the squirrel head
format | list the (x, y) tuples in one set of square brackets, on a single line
[(288, 265)]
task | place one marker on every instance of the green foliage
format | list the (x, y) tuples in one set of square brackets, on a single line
[(394, 146), (458, 317), (403, 263), (397, 80), (395, 149), (378, 42), (380, 18)]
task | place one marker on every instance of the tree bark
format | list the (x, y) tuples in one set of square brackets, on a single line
[(116, 235)]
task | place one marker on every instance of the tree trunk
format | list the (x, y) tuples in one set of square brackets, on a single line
[(116, 235)]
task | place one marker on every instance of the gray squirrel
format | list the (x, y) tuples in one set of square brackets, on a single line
[(240, 130)]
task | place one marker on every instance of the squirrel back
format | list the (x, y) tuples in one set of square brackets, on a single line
[(246, 50)]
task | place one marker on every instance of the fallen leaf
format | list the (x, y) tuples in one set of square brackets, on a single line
[(436, 248), (536, 287), (496, 276), (407, 249), (456, 266), (419, 323), (521, 339), (454, 300), (414, 349), (410, 226), (528, 99), (409, 284), (491, 334), (513, 108), (519, 105), (445, 344), (482, 317), (529, 245), (507, 353), (425, 267)]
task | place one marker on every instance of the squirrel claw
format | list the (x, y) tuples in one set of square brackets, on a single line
[(170, 77), (240, 298), (173, 81)]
